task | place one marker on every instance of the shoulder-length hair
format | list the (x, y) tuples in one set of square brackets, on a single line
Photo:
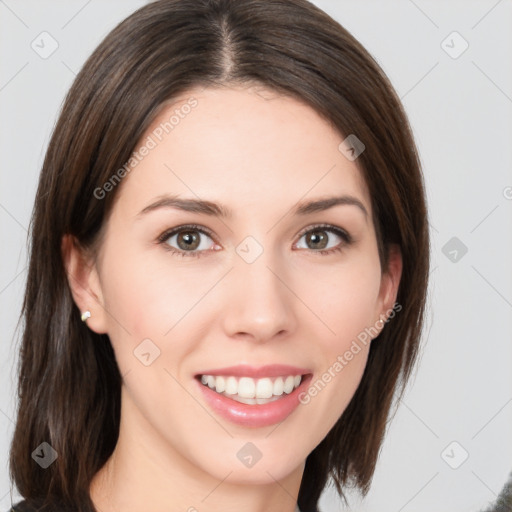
[(69, 383)]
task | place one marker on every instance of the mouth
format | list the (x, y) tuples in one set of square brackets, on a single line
[(254, 397), (248, 390)]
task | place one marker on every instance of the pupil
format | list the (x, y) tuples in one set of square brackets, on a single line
[(188, 240), (318, 240)]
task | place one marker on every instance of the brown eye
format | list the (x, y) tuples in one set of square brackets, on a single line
[(188, 240), (324, 239), (317, 239)]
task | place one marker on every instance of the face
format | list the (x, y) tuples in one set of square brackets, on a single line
[(232, 319)]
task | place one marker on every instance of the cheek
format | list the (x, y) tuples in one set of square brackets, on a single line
[(345, 299), (330, 391), (160, 299), (149, 295), (346, 305)]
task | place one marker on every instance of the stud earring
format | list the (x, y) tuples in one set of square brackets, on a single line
[(85, 316)]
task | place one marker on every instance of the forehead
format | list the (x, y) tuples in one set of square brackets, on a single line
[(249, 148)]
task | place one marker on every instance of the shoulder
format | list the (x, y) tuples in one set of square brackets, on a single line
[(503, 502), (24, 506), (21, 506)]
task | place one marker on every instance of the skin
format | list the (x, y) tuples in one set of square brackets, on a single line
[(258, 153)]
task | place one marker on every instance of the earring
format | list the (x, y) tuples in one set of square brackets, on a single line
[(85, 316)]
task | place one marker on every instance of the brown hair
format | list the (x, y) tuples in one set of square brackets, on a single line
[(69, 383)]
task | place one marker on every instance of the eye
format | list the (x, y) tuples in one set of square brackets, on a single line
[(325, 239), (186, 240), (189, 240)]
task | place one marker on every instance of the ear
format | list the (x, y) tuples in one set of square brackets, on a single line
[(84, 283), (389, 286)]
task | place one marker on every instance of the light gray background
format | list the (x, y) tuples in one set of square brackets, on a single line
[(460, 109)]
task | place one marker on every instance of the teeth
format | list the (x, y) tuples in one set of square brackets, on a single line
[(278, 386), (288, 384), (220, 384), (249, 390), (264, 388), (231, 386)]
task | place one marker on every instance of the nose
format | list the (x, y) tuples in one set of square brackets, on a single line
[(259, 304)]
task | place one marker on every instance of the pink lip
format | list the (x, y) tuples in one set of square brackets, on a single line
[(258, 415), (271, 370)]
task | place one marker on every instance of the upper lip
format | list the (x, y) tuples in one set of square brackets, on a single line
[(271, 370)]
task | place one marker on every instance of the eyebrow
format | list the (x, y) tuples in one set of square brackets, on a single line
[(218, 210)]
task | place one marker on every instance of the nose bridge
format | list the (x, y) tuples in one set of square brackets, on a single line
[(260, 304)]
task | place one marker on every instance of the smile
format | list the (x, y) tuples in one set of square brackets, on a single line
[(253, 397), (247, 390)]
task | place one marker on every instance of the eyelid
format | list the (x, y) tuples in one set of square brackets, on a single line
[(193, 227), (164, 237), (328, 227), (342, 233)]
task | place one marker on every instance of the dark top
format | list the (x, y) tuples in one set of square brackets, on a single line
[(502, 504), (22, 506)]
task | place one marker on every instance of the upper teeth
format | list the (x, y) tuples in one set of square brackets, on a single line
[(247, 387)]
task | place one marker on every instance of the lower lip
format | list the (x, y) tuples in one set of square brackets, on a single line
[(257, 415)]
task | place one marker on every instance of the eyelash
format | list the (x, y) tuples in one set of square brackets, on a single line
[(164, 237)]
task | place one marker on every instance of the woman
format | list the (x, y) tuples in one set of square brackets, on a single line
[(228, 267)]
